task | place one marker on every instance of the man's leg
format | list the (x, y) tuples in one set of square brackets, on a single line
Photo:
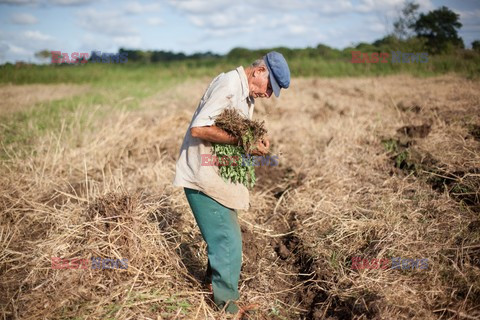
[(221, 231)]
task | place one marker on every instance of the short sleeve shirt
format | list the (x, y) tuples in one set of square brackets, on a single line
[(227, 90)]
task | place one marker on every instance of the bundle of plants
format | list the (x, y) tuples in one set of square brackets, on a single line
[(235, 163)]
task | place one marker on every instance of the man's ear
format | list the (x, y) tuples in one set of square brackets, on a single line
[(259, 70)]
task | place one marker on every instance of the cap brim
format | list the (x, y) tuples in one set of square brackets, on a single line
[(275, 87)]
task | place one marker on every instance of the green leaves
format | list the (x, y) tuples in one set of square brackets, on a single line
[(238, 168)]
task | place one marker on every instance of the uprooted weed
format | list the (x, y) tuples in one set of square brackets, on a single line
[(248, 132), (234, 162)]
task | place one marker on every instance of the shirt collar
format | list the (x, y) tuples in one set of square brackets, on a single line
[(244, 81)]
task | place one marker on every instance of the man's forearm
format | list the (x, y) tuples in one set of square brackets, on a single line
[(213, 134)]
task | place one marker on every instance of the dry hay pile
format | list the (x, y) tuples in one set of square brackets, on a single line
[(339, 193), (365, 171), (105, 194)]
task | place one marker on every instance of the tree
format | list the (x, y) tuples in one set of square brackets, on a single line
[(476, 45), (439, 28), (405, 23), (44, 54), (240, 53)]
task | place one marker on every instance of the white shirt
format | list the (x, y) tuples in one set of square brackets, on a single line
[(226, 90)]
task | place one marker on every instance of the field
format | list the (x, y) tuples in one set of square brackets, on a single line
[(373, 167)]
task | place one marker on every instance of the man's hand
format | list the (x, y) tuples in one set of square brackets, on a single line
[(263, 146), (266, 142)]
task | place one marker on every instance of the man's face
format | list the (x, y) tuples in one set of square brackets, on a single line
[(260, 86)]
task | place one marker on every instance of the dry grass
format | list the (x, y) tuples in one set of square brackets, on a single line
[(336, 194), (15, 98)]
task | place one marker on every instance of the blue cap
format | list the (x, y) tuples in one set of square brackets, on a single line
[(278, 71)]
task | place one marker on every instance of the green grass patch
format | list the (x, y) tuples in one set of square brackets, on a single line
[(19, 130), (465, 63)]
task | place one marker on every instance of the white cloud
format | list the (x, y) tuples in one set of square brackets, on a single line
[(473, 15), (111, 23), (18, 2), (337, 7), (12, 52), (390, 7), (37, 36), (266, 23), (23, 18), (377, 5), (222, 18), (297, 30), (94, 42), (18, 50), (45, 2), (155, 21), (134, 8), (378, 27), (225, 20), (69, 2), (23, 45), (139, 8), (109, 30), (3, 50), (282, 5), (217, 16), (201, 6), (127, 41)]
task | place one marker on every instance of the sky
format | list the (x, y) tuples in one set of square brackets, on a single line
[(28, 26)]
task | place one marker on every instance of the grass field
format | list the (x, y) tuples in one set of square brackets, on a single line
[(380, 166)]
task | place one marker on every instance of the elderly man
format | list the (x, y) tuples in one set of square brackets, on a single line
[(213, 200)]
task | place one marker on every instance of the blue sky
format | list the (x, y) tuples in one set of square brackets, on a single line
[(28, 26)]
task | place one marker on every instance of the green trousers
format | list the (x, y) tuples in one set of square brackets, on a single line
[(221, 231)]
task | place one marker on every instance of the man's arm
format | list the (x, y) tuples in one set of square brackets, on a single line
[(216, 135), (213, 134)]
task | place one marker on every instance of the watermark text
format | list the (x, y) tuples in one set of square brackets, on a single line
[(359, 263), (382, 57), (94, 263), (244, 160)]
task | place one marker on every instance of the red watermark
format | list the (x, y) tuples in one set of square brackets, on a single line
[(359, 263), (75, 57), (381, 57), (82, 57), (59, 263)]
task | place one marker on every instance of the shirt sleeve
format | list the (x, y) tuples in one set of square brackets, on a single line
[(218, 97)]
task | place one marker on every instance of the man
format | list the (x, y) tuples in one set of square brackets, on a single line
[(212, 200)]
